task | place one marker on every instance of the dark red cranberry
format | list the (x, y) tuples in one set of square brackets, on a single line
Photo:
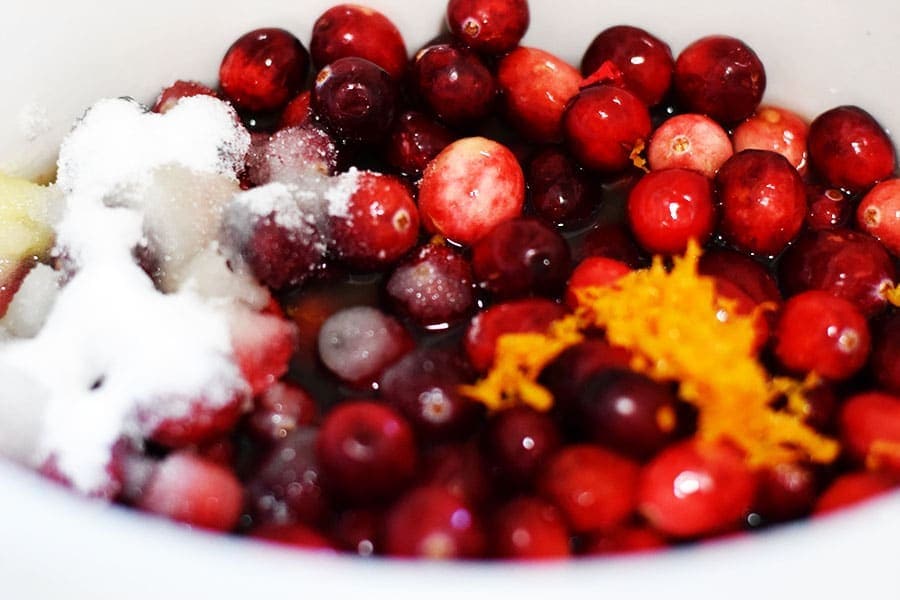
[(870, 430), (453, 83), (568, 372), (462, 469), (294, 535), (518, 441), (560, 193), (885, 361), (763, 201), (644, 61), (612, 240), (431, 522), (351, 30), (529, 528), (850, 149), (414, 142), (845, 263), (689, 141), (521, 256), (624, 540), (297, 112), (280, 410), (776, 129), (668, 208), (786, 491), (720, 76), (605, 126), (749, 275), (735, 302), (489, 26), (170, 96), (821, 407), (829, 208), (593, 271), (263, 69), (851, 489), (358, 531), (366, 450), (356, 100), (878, 214)]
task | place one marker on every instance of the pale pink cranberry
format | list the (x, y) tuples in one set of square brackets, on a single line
[(689, 141), (352, 30), (290, 155), (852, 488), (776, 129), (870, 430), (489, 26), (878, 214), (528, 528), (471, 186), (170, 96)]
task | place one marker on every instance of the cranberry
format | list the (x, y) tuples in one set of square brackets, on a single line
[(294, 535), (535, 87), (350, 30), (822, 333), (170, 96), (720, 76), (470, 187), (776, 129), (263, 69), (644, 61), (358, 531), (850, 149), (886, 353), (366, 450), (615, 241), (356, 99), (667, 209), (738, 303), (786, 491), (518, 441), (431, 522), (462, 469), (263, 345), (750, 276), (414, 142), (560, 192), (453, 83), (280, 410), (593, 271), (489, 26), (870, 430), (625, 540), (879, 214), (689, 141), (604, 126), (295, 154), (529, 528), (594, 488), (852, 488), (763, 201), (298, 111), (829, 208), (693, 488), (574, 366), (203, 421)]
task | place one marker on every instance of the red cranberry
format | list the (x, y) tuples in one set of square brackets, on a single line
[(604, 126), (720, 76), (518, 441), (414, 142), (667, 209), (203, 421), (358, 531), (625, 540), (291, 155), (738, 303), (885, 359), (170, 96), (594, 488), (280, 410), (431, 522), (763, 201), (294, 535), (612, 240), (822, 333), (366, 450), (593, 271), (879, 214), (356, 100), (750, 276), (462, 469), (263, 346), (297, 112), (870, 430), (351, 30), (852, 488), (644, 61), (776, 129), (689, 141), (693, 489), (535, 87), (850, 149), (263, 69), (453, 83), (786, 491), (560, 192), (829, 208), (529, 528), (574, 366), (470, 187), (489, 26)]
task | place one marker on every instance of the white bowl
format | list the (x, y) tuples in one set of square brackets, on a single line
[(59, 57)]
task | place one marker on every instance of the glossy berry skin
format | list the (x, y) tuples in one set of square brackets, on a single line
[(752, 277), (849, 149), (692, 489), (593, 271), (645, 62), (668, 208), (561, 194), (453, 83), (566, 375), (352, 30), (263, 69), (776, 129), (878, 214), (689, 141), (719, 76), (414, 141), (470, 187), (763, 201), (356, 100), (786, 491), (886, 353), (822, 333), (851, 489), (535, 87), (298, 111), (518, 442), (624, 540), (528, 528), (829, 207), (602, 126), (366, 450), (280, 410), (870, 430), (488, 26), (170, 96), (613, 240)]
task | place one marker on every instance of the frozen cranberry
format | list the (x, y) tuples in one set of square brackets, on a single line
[(529, 528), (870, 430), (763, 201), (294, 535), (749, 275), (852, 488), (431, 522), (786, 491), (297, 112), (203, 421), (535, 87), (693, 489), (574, 366), (560, 193), (351, 30), (604, 126), (689, 141), (489, 26), (644, 61), (453, 83), (518, 441), (668, 208), (885, 361), (462, 469), (878, 214), (295, 155), (170, 96), (720, 76), (263, 69), (280, 410), (829, 208), (414, 141), (776, 129), (470, 187), (358, 531), (356, 100), (850, 149), (624, 540), (613, 240), (594, 488), (593, 271), (366, 450), (847, 264), (822, 333), (423, 385), (514, 316)]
